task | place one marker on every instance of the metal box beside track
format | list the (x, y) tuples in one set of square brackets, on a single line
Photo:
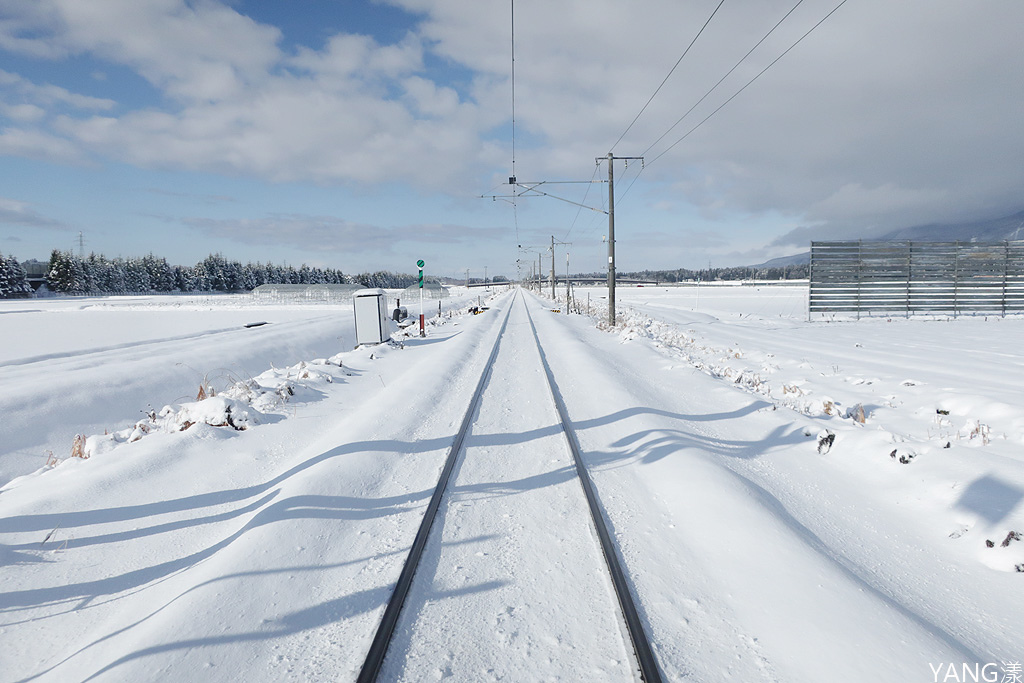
[(371, 316)]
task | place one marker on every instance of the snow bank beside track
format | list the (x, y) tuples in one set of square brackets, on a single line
[(84, 366)]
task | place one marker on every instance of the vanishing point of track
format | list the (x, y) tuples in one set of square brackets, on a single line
[(641, 647)]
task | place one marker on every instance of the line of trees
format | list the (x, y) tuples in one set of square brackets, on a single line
[(794, 272), (70, 274), (386, 279), (13, 281), (96, 274)]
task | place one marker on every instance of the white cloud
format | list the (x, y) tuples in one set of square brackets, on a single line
[(14, 212), (34, 144), (22, 112), (51, 94), (888, 114), (194, 51), (348, 59)]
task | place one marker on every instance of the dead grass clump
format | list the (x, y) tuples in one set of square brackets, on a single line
[(78, 447)]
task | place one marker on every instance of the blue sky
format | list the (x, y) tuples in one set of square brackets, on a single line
[(361, 135)]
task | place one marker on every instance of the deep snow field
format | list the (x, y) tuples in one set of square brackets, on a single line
[(85, 365), (794, 501)]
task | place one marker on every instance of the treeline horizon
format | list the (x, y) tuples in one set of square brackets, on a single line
[(799, 271), (13, 279), (68, 273)]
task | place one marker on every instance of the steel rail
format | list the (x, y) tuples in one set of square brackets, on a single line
[(646, 661), (382, 639), (649, 671)]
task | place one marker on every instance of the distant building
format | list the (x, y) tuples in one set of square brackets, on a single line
[(35, 272)]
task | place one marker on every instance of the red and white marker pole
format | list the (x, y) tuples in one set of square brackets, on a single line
[(423, 331)]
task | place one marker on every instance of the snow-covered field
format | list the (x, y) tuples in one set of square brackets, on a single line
[(793, 501)]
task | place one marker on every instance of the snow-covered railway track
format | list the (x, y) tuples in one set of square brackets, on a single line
[(627, 619)]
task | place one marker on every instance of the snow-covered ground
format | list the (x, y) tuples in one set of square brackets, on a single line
[(256, 534), (86, 365)]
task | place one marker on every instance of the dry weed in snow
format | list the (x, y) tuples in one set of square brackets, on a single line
[(239, 406), (78, 447), (796, 394)]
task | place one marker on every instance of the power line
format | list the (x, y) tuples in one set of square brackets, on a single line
[(721, 106), (727, 74), (513, 14), (584, 201), (515, 212), (644, 108), (591, 227), (751, 81), (629, 187), (515, 218), (711, 90)]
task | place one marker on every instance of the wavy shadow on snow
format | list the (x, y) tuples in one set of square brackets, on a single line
[(426, 573), (12, 555), (330, 507), (497, 489), (651, 445), (752, 407), (345, 607), (294, 507), (645, 446), (80, 518), (858, 574), (265, 501)]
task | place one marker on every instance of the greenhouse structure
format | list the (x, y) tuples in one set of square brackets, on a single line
[(431, 290), (320, 294)]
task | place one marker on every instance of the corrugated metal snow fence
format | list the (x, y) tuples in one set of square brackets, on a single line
[(917, 277)]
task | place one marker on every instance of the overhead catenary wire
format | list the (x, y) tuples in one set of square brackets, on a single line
[(722, 79), (671, 71), (749, 83), (515, 213), (513, 80), (595, 220), (582, 203), (515, 219), (734, 95)]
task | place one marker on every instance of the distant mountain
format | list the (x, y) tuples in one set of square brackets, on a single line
[(785, 261), (992, 230)]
